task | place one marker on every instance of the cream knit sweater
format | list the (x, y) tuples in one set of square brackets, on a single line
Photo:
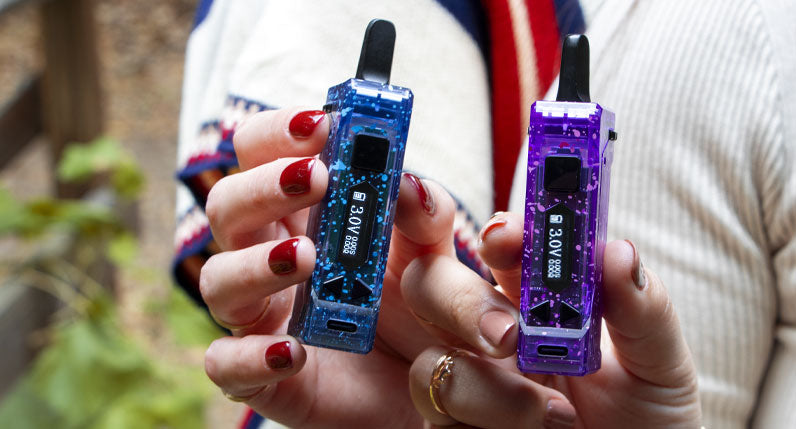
[(704, 182)]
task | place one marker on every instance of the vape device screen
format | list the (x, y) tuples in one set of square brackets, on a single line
[(370, 153), (557, 269), (562, 173), (358, 217)]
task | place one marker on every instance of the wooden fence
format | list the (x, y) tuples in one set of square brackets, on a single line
[(62, 102)]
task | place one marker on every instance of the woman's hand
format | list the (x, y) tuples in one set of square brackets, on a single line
[(647, 377), (258, 218)]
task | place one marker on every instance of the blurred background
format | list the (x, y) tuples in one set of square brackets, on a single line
[(93, 334)]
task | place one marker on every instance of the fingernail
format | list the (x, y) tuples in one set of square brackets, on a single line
[(495, 325), (493, 223), (559, 415), (426, 200), (278, 357), (282, 259), (304, 123), (637, 271), (296, 177)]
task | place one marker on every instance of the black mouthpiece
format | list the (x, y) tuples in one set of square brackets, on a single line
[(573, 84), (375, 60)]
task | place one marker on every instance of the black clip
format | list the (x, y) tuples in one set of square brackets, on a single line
[(375, 60), (573, 84)]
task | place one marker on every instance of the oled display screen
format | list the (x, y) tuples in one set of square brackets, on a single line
[(359, 213), (557, 268)]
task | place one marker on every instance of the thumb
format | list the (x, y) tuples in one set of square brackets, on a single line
[(641, 320)]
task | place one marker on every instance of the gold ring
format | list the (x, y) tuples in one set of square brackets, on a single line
[(442, 372), (234, 398), (240, 327)]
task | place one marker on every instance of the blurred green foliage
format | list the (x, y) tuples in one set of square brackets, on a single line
[(81, 162), (37, 216), (93, 376), (189, 326), (94, 373)]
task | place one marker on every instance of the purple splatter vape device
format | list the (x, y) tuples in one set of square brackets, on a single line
[(338, 306), (566, 210)]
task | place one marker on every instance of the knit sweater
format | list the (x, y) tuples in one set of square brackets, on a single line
[(702, 179), (704, 183)]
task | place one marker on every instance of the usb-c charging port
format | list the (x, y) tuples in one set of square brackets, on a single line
[(553, 351), (339, 325)]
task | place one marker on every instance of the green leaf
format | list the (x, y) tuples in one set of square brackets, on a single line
[(39, 215), (86, 368), (156, 408), (22, 408), (127, 179), (13, 215), (85, 218), (81, 161), (123, 249)]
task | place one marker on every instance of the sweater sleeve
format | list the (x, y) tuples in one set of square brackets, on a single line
[(776, 406), (777, 402)]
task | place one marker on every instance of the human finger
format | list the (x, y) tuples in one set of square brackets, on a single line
[(642, 322), (241, 204), (273, 134), (500, 247), (479, 393), (236, 285), (424, 216), (423, 224), (444, 293), (243, 367)]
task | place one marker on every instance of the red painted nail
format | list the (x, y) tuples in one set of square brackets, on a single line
[(426, 200), (278, 357), (303, 124), (282, 259), (295, 179), (493, 223), (637, 270)]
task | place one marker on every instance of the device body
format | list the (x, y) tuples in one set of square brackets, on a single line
[(338, 306), (566, 208)]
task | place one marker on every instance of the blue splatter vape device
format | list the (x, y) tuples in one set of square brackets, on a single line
[(338, 306)]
